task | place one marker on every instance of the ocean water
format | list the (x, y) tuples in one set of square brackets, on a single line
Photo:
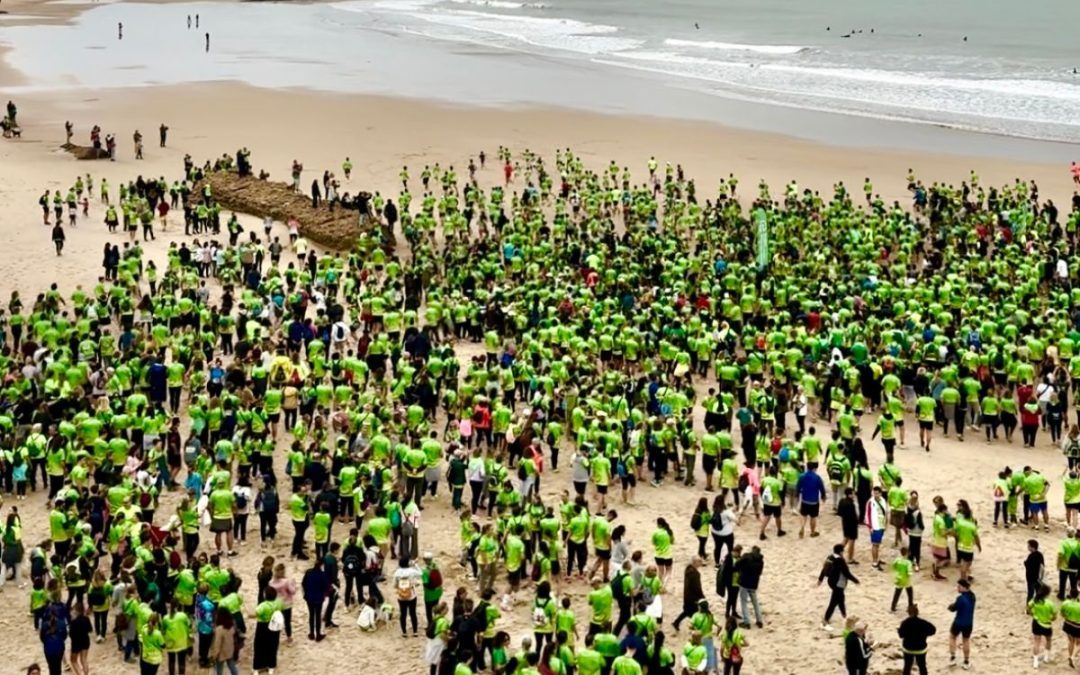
[(998, 66), (909, 61)]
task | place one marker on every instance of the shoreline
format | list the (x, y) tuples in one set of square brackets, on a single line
[(588, 88)]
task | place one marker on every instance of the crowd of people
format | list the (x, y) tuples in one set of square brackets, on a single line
[(641, 329)]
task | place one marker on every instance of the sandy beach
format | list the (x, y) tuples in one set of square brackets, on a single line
[(381, 134)]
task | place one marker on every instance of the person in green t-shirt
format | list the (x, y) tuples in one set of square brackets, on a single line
[(772, 492), (222, 505), (967, 538), (1042, 612), (663, 540), (902, 569), (589, 661), (299, 510), (925, 411)]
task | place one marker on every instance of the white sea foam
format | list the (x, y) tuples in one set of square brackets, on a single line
[(501, 4), (510, 30), (736, 47)]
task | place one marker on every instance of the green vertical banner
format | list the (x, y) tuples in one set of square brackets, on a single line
[(762, 238)]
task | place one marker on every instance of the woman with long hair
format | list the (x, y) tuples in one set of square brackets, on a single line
[(699, 522), (663, 539), (732, 644), (223, 645)]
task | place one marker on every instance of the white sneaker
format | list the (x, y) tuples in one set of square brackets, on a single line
[(966, 665), (1046, 657), (827, 627), (1035, 662)]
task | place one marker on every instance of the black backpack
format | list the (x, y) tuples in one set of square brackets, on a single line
[(270, 501), (352, 563), (617, 590)]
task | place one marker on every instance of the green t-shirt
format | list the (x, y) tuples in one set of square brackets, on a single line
[(625, 665), (600, 601), (152, 643), (177, 629), (221, 504), (902, 569), (966, 533), (1035, 485), (589, 662), (515, 553), (661, 541), (1043, 612)]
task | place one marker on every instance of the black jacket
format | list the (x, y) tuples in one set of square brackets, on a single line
[(848, 512), (856, 653), (725, 576), (750, 567), (834, 569), (913, 633)]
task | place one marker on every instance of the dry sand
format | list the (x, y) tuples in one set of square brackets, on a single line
[(383, 134)]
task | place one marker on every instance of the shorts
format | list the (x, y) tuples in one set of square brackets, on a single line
[(772, 510), (851, 533), (663, 562), (629, 481), (273, 417), (896, 518), (221, 525), (556, 568), (602, 489), (579, 487), (965, 556), (899, 423), (1075, 506), (876, 536), (1037, 508), (1071, 629), (940, 552), (809, 510), (603, 554), (1041, 631), (965, 631), (928, 425), (515, 576), (708, 463)]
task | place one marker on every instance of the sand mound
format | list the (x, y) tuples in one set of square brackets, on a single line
[(85, 152), (337, 228)]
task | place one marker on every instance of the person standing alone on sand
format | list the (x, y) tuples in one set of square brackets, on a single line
[(163, 131), (58, 237), (838, 574), (963, 623), (914, 632)]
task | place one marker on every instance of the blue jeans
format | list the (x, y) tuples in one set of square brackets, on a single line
[(219, 667), (745, 595)]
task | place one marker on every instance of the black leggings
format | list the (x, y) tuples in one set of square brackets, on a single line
[(913, 659), (177, 663), (314, 618), (896, 596), (719, 541), (407, 607), (731, 668), (578, 552), (837, 601), (101, 623)]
